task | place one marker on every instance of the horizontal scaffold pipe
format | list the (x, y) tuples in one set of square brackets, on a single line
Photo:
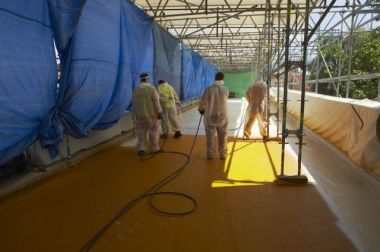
[(242, 7), (343, 19), (345, 78)]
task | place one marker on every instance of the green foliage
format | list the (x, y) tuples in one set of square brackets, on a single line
[(365, 60)]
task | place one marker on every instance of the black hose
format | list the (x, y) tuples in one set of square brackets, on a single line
[(152, 192), (358, 115)]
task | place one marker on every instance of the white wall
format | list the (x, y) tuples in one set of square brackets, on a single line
[(335, 119)]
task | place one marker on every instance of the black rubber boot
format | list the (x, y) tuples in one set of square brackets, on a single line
[(177, 134)]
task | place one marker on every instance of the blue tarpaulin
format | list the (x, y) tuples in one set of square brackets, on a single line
[(89, 67), (111, 46), (89, 70), (104, 45), (139, 46), (199, 72), (135, 57), (210, 72), (64, 15), (27, 73), (189, 80), (167, 58)]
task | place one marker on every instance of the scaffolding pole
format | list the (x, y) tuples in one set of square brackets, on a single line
[(269, 64), (303, 87), (351, 44), (285, 89), (278, 75)]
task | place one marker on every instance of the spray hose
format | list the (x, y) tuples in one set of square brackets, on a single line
[(152, 192)]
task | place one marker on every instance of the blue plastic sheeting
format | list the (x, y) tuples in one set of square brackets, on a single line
[(90, 67), (139, 46), (188, 75), (135, 57), (27, 73), (199, 79), (210, 72), (197, 74), (111, 46), (64, 16), (104, 46), (167, 58)]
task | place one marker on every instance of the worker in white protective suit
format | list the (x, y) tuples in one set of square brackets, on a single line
[(147, 110), (169, 101), (213, 105), (256, 97)]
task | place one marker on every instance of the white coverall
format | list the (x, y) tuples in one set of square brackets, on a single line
[(147, 108), (256, 97), (169, 99), (214, 104)]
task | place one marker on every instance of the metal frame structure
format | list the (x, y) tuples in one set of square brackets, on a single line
[(274, 37), (359, 15)]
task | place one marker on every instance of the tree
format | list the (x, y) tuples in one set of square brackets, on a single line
[(365, 59)]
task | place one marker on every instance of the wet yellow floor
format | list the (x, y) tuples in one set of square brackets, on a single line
[(239, 206)]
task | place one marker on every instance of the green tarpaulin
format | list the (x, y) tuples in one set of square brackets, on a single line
[(238, 83)]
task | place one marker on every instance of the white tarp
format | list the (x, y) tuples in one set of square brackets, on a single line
[(347, 123)]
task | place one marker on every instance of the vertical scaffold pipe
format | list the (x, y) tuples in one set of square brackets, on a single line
[(318, 67), (341, 53), (351, 45), (269, 62), (284, 133), (303, 85), (278, 67)]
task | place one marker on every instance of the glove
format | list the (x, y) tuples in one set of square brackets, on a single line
[(159, 116), (201, 112)]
